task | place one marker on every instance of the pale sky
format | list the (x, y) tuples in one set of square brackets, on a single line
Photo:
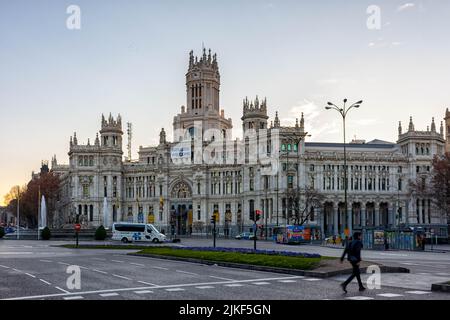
[(130, 57)]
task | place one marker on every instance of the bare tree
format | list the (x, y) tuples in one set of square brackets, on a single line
[(303, 201), (440, 183)]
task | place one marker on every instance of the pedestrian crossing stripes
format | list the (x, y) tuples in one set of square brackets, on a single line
[(112, 294), (234, 285), (73, 298), (174, 289), (418, 292), (389, 295), (143, 292), (360, 298), (312, 279)]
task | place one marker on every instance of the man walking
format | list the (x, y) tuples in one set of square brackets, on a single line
[(353, 252)]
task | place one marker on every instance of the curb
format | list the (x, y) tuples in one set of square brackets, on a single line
[(315, 274), (441, 287)]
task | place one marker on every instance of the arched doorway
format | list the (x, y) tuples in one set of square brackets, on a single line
[(181, 208)]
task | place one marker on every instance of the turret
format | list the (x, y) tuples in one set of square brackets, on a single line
[(447, 129), (254, 114), (111, 133)]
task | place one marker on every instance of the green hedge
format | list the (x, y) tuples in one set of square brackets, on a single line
[(46, 234), (100, 233)]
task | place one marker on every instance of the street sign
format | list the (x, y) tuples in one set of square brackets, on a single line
[(77, 227)]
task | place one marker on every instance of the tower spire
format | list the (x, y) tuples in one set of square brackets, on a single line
[(433, 125), (400, 129), (411, 124)]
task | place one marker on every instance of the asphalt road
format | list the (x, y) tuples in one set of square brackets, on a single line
[(37, 270)]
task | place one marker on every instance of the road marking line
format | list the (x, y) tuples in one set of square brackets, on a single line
[(148, 283), (234, 285), (137, 264), (30, 275), (360, 298), (287, 281), (311, 279), (143, 288), (143, 292), (261, 283), (390, 295), (220, 278), (65, 291), (17, 270), (81, 267), (64, 264), (99, 271), (48, 261), (418, 292), (73, 298), (160, 268), (5, 253), (121, 277), (180, 271), (4, 266), (112, 294), (175, 289), (118, 261), (46, 282), (205, 287)]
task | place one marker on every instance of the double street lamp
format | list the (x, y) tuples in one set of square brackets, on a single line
[(343, 112)]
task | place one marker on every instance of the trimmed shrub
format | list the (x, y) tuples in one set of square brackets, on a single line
[(46, 234), (2, 232), (100, 233)]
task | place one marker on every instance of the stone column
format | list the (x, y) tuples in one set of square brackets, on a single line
[(335, 220), (363, 215)]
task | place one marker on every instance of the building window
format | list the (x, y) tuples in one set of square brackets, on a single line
[(290, 182), (86, 191), (91, 213)]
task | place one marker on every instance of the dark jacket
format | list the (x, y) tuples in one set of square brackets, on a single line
[(353, 251)]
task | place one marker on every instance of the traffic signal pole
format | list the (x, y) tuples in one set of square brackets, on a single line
[(213, 221)]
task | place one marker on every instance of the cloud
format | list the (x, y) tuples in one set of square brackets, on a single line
[(406, 6)]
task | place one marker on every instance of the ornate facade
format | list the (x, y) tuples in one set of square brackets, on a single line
[(183, 197)]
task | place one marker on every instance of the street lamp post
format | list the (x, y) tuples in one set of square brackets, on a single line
[(18, 213), (343, 112)]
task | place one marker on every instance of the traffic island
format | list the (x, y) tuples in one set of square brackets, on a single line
[(286, 262), (441, 287)]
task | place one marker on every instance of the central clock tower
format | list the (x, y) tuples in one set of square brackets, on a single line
[(203, 84), (202, 99)]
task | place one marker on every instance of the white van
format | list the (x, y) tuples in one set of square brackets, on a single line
[(130, 232)]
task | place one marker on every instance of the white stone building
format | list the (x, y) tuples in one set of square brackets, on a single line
[(155, 189)]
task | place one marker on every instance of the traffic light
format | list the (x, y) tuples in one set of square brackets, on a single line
[(252, 215), (213, 218), (258, 215)]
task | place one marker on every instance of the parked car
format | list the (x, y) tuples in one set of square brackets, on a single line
[(246, 236)]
